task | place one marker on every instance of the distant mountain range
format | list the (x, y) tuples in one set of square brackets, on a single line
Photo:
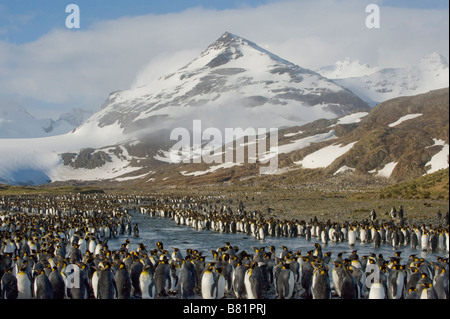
[(375, 85), (324, 124), (17, 122)]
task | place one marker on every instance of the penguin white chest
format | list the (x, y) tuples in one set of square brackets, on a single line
[(248, 285), (23, 286), (208, 289), (377, 291), (424, 242), (147, 285)]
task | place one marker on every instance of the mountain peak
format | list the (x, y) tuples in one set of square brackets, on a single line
[(435, 59), (231, 47)]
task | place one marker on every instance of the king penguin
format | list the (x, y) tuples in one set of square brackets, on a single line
[(220, 283), (81, 290), (337, 275), (162, 277), (187, 278), (106, 285), (285, 283), (253, 281), (396, 283), (42, 287), (440, 282), (24, 284), (58, 284), (135, 271), (376, 239), (320, 283), (306, 274), (238, 281), (209, 284), (349, 288), (8, 285), (426, 291), (412, 294), (123, 282), (147, 284)]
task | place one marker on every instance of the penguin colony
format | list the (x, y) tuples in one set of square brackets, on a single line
[(55, 247)]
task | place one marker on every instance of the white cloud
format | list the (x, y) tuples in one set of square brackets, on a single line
[(80, 68)]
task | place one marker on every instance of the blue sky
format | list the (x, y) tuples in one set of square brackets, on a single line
[(49, 69), (26, 20)]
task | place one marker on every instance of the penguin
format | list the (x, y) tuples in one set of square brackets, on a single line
[(238, 281), (318, 251), (284, 252), (285, 283), (187, 278), (320, 283), (135, 271), (94, 280), (175, 267), (337, 276), (376, 239), (147, 284), (396, 283), (123, 282), (377, 291), (433, 246), (136, 231), (81, 289), (441, 282), (58, 284), (162, 277), (106, 285), (424, 241), (220, 283), (306, 274), (24, 284), (414, 240), (360, 278), (412, 294), (426, 291), (413, 278), (349, 288), (351, 237), (42, 287), (209, 284), (176, 254), (75, 253), (9, 289), (254, 282)]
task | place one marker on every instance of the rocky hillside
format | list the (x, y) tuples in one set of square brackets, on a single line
[(398, 140)]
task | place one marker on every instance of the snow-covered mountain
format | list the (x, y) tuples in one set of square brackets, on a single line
[(375, 85), (346, 69), (233, 83), (17, 122)]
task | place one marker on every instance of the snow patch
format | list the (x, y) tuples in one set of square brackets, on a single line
[(325, 156), (293, 134), (387, 170), (440, 159), (344, 169), (305, 142), (352, 118), (212, 169), (405, 118)]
